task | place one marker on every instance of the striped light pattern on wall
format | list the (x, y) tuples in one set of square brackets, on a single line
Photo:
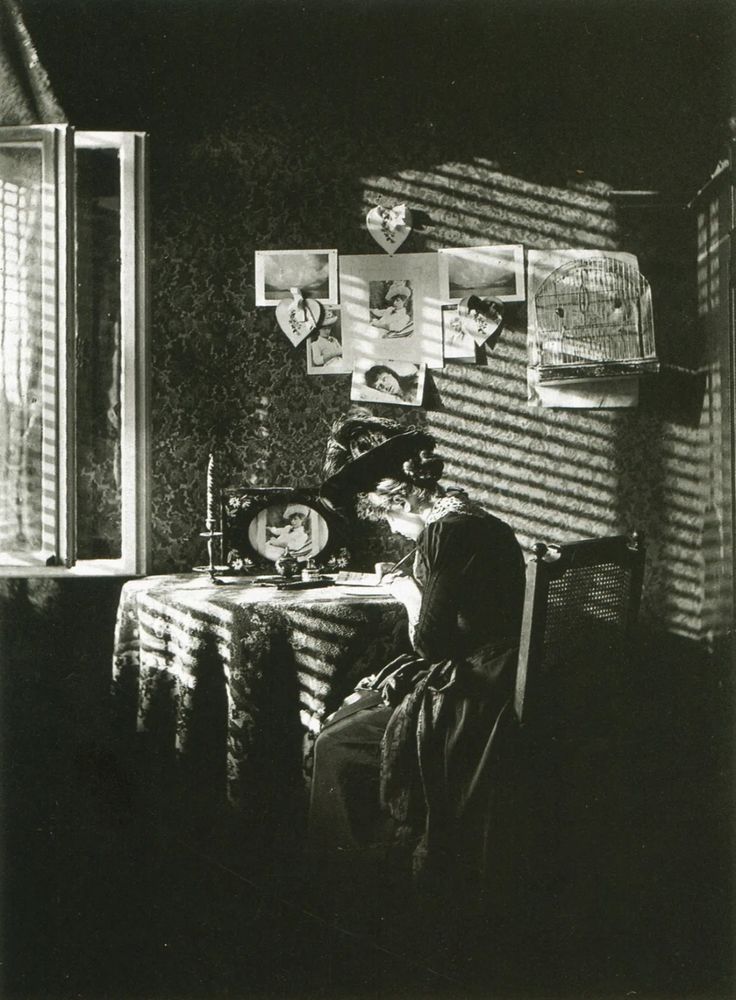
[(557, 475)]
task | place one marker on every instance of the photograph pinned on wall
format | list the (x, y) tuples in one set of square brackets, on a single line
[(325, 349), (488, 272), (458, 345), (312, 272), (378, 380), (480, 318), (391, 307)]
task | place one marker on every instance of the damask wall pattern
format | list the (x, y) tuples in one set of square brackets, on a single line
[(224, 377), (227, 380), (296, 127)]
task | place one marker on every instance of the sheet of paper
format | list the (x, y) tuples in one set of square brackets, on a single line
[(602, 393)]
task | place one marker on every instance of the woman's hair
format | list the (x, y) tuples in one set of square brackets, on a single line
[(407, 383), (418, 479)]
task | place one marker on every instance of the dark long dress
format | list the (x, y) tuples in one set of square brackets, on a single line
[(412, 758)]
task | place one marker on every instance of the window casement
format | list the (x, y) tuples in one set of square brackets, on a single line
[(74, 448)]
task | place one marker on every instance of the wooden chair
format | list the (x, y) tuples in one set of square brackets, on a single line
[(575, 701), (580, 610)]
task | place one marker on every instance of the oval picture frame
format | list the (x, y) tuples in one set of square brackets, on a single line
[(262, 524)]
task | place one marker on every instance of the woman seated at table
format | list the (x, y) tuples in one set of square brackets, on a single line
[(407, 757)]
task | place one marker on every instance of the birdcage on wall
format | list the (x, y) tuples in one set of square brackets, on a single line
[(591, 317)]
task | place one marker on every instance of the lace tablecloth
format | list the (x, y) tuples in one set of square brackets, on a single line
[(231, 677)]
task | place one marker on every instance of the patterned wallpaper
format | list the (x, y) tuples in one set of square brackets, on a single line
[(297, 126), (226, 379)]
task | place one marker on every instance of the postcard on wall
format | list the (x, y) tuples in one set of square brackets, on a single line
[(391, 307), (489, 272), (458, 344), (387, 381), (313, 272), (325, 353)]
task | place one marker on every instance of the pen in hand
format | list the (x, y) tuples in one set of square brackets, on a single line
[(392, 569)]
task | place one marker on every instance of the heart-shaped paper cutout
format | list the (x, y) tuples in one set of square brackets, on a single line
[(389, 227), (480, 318), (298, 316)]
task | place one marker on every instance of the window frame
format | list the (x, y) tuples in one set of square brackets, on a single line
[(59, 144)]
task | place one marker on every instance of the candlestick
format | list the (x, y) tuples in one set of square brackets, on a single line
[(211, 491), (211, 519)]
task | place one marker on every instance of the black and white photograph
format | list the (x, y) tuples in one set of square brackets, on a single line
[(376, 380), (263, 525), (312, 272), (325, 353), (286, 529), (415, 681), (481, 319), (458, 344), (496, 272), (391, 308)]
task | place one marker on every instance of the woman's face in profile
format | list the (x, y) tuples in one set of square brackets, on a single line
[(405, 522), (387, 382)]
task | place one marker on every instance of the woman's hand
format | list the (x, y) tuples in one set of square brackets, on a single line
[(401, 586), (406, 590), (384, 572)]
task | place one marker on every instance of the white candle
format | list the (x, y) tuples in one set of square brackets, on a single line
[(211, 488)]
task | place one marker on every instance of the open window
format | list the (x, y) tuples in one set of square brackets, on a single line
[(73, 351)]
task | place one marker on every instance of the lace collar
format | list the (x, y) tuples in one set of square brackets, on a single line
[(453, 502)]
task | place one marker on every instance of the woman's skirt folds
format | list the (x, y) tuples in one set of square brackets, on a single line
[(423, 758)]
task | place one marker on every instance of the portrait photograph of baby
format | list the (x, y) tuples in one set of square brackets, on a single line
[(293, 529)]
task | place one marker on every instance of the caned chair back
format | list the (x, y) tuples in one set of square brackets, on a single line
[(581, 606)]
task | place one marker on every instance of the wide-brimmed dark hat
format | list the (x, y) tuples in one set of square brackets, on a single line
[(367, 459)]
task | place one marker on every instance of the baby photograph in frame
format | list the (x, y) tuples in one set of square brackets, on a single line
[(263, 524), (286, 528)]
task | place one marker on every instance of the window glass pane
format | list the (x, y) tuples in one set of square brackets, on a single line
[(27, 519), (99, 523)]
